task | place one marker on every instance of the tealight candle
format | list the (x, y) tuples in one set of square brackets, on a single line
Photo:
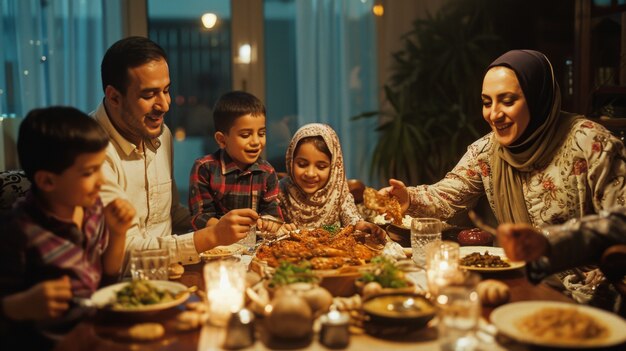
[(225, 285), (335, 331), (442, 265)]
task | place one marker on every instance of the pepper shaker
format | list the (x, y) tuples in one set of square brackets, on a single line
[(335, 331), (240, 330)]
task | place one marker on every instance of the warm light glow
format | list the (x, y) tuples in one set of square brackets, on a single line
[(245, 54), (180, 134), (378, 10), (209, 20), (225, 285)]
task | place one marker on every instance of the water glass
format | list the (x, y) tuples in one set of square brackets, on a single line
[(249, 242), (424, 233), (458, 313), (152, 264)]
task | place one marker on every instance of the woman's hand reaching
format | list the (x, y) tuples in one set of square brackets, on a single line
[(397, 189)]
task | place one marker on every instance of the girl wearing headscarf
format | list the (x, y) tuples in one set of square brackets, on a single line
[(539, 165), (315, 192)]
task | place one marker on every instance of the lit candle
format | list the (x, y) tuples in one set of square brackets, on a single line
[(225, 284), (442, 265)]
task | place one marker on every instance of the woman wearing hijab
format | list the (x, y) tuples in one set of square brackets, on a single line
[(539, 165), (315, 193)]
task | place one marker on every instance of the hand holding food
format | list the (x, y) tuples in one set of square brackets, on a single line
[(522, 242), (383, 204), (235, 225)]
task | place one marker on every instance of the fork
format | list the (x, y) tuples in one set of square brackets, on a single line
[(264, 233)]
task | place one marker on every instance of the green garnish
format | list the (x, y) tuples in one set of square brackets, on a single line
[(331, 228), (289, 273), (385, 273)]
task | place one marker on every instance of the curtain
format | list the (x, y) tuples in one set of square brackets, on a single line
[(336, 75), (52, 51)]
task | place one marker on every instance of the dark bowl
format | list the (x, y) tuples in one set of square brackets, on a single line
[(399, 234), (399, 309), (474, 237)]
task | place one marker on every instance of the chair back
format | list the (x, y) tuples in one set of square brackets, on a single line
[(13, 186)]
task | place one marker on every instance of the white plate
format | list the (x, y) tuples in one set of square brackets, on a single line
[(497, 251), (222, 251), (106, 295), (505, 318)]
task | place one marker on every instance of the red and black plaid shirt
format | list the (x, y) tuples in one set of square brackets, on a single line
[(217, 185)]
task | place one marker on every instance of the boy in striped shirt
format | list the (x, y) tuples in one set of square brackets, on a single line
[(60, 241)]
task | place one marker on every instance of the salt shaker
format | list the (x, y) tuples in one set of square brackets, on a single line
[(335, 333), (240, 330)]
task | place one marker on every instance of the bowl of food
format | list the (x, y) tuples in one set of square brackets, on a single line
[(404, 309)]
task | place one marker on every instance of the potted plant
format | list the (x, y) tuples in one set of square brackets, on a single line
[(434, 94)]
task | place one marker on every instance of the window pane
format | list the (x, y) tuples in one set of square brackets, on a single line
[(200, 71), (280, 75)]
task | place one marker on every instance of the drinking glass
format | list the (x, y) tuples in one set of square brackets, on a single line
[(152, 264), (249, 242), (458, 313), (424, 233)]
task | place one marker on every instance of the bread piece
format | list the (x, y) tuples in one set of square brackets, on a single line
[(176, 271), (146, 331), (493, 292)]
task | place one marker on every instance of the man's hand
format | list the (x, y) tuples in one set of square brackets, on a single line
[(522, 242), (397, 189), (48, 299), (118, 216), (235, 225)]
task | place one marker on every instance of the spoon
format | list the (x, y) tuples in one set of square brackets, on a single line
[(480, 223)]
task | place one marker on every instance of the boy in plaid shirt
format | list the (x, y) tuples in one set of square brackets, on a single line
[(234, 176)]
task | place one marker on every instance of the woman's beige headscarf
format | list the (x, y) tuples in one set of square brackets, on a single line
[(324, 206), (548, 128)]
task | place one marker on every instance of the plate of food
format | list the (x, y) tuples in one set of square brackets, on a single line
[(222, 251), (326, 249), (140, 296), (486, 259), (559, 324)]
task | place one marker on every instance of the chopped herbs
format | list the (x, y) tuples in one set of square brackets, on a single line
[(385, 273), (289, 273)]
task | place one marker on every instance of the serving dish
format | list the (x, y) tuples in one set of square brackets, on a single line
[(497, 251), (506, 318), (104, 297)]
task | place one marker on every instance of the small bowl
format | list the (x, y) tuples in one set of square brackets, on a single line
[(399, 234), (405, 309)]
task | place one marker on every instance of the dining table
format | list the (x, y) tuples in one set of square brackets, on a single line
[(106, 330)]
